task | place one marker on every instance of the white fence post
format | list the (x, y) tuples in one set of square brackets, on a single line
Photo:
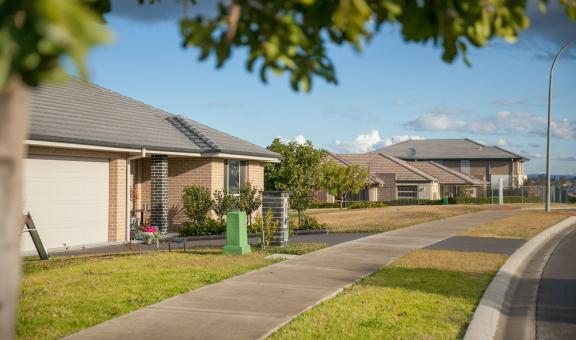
[(500, 191)]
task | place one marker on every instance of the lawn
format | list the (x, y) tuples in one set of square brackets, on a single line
[(388, 218), (427, 294), (523, 225), (67, 294)]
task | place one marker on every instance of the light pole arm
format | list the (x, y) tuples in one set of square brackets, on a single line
[(549, 136)]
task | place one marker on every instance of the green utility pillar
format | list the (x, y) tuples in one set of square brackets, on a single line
[(236, 234)]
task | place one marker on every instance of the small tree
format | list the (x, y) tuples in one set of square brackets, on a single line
[(300, 200), (223, 202), (197, 203), (249, 200), (340, 180), (299, 172)]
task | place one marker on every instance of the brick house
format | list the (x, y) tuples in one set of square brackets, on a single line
[(96, 157), (392, 178), (486, 163)]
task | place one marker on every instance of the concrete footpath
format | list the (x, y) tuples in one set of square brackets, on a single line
[(255, 304)]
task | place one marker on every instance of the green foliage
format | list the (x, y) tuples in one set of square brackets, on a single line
[(249, 200), (36, 34), (299, 172), (413, 202), (363, 205), (293, 36), (224, 201), (93, 289), (307, 223), (264, 227), (323, 205), (197, 203), (340, 180), (207, 226), (488, 200)]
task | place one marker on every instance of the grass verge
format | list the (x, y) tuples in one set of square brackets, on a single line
[(67, 294), (428, 294), (524, 225), (386, 219)]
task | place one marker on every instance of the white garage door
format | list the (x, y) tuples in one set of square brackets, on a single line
[(68, 200)]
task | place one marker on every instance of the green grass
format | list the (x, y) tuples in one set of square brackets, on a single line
[(65, 295), (425, 295)]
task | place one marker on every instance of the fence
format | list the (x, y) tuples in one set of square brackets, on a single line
[(459, 194)]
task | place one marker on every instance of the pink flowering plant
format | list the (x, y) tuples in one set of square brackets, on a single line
[(147, 233)]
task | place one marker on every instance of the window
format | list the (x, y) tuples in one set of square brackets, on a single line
[(407, 191), (465, 167), (234, 175)]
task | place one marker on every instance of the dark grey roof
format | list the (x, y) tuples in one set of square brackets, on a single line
[(440, 149), (80, 112)]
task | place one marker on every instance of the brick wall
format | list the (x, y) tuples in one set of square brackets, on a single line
[(159, 192), (256, 174), (387, 192), (117, 200), (117, 186), (182, 172)]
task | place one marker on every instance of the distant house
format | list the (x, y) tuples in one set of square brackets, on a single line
[(369, 193), (96, 157), (487, 163), (391, 178)]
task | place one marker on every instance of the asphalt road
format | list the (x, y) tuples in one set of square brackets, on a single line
[(556, 306)]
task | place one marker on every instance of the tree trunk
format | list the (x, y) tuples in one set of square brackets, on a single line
[(13, 130), (342, 201), (299, 218)]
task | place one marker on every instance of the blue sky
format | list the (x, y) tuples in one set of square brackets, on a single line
[(389, 92)]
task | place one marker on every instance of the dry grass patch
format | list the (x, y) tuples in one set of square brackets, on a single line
[(388, 218), (428, 294), (523, 225), (470, 262)]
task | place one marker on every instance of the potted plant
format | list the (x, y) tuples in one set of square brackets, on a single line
[(147, 233)]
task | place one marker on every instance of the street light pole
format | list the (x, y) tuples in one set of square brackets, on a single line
[(549, 136)]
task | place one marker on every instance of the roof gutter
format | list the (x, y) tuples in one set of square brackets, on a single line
[(246, 157), (107, 148)]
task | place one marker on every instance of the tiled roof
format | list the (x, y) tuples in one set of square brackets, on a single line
[(371, 177), (446, 175), (381, 164), (440, 149), (84, 113)]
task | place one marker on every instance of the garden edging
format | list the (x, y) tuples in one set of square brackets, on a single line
[(484, 324)]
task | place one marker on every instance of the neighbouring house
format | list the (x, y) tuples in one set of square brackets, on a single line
[(96, 157), (487, 163), (453, 183), (392, 178), (368, 193), (401, 179)]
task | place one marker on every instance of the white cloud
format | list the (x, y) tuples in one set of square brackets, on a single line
[(504, 122), (368, 142), (502, 142), (300, 139)]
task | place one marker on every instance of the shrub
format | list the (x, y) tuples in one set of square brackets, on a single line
[(208, 226), (323, 205), (146, 232), (414, 202), (264, 228), (249, 200), (362, 205), (307, 223), (223, 202), (197, 203)]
